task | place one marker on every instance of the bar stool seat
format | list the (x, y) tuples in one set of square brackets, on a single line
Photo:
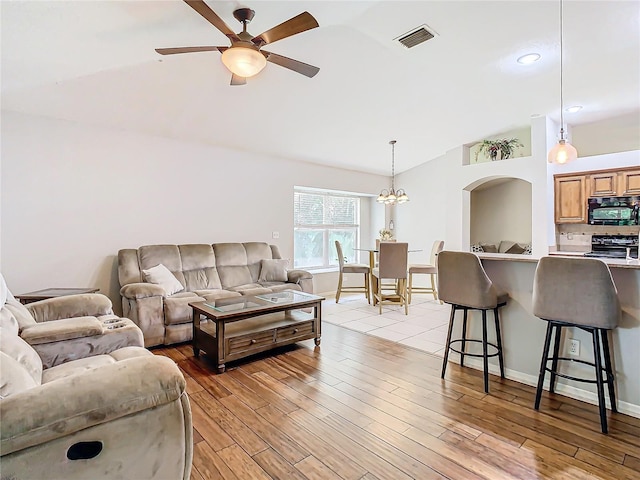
[(580, 293), (463, 283), (430, 269)]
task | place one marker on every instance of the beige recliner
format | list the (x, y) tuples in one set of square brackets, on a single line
[(72, 327), (124, 414)]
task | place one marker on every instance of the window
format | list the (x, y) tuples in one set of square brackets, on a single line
[(321, 218)]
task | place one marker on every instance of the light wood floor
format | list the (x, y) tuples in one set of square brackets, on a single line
[(360, 407)]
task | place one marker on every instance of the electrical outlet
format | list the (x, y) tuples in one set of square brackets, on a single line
[(574, 347), (275, 234)]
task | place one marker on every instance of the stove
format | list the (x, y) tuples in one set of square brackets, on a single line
[(613, 246)]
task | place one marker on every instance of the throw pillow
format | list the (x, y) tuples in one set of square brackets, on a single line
[(515, 248), (476, 248), (489, 248), (161, 275), (273, 270), (527, 249)]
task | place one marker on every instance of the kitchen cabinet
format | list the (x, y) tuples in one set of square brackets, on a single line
[(604, 184), (570, 198), (629, 183)]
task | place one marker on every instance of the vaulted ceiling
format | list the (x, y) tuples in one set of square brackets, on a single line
[(94, 62)]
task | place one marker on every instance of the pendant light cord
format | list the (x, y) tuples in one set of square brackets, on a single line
[(561, 76), (393, 164)]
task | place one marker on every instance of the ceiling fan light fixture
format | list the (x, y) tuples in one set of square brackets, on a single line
[(243, 61)]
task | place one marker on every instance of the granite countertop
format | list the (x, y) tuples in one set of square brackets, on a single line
[(611, 262)]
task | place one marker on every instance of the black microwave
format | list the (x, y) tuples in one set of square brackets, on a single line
[(614, 210)]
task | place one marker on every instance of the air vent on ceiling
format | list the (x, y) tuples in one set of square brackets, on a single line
[(416, 36)]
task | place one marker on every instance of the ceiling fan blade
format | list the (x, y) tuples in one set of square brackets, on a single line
[(297, 24), (212, 17), (237, 80), (291, 64), (173, 51)]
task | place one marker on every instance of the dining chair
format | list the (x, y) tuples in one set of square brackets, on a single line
[(351, 268), (431, 269), (392, 266)]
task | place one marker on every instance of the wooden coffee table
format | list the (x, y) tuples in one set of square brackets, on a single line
[(237, 327)]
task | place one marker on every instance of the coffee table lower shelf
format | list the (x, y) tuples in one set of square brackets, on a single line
[(225, 341)]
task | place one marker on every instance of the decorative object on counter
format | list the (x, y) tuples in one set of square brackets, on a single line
[(391, 196), (505, 147), (563, 152), (385, 234)]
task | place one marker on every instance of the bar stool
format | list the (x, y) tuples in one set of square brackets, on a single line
[(352, 268), (463, 283), (577, 292)]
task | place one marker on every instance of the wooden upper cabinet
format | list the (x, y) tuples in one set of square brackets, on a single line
[(571, 199), (603, 184), (629, 182)]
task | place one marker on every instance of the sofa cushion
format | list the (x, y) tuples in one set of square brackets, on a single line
[(177, 309), (273, 270), (199, 267), (280, 287), (489, 248), (231, 259), (20, 351), (14, 378), (251, 289), (75, 367), (515, 248), (160, 275)]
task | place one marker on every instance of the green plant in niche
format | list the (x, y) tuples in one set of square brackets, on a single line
[(505, 146)]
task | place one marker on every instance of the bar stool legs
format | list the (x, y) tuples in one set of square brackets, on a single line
[(485, 343), (601, 349)]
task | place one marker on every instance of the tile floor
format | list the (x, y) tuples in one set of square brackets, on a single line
[(425, 328)]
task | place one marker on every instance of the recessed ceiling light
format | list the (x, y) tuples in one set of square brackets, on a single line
[(573, 109), (529, 58)]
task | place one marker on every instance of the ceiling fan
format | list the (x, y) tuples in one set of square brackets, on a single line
[(245, 57)]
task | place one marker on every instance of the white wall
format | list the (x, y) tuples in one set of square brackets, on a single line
[(501, 212), (73, 195)]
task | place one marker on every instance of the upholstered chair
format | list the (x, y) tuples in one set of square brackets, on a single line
[(124, 414), (431, 269), (351, 268), (579, 293), (464, 284), (70, 327), (392, 266)]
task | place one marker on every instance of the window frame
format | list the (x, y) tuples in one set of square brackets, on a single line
[(329, 251)]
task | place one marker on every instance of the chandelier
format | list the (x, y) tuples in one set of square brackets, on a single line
[(392, 196), (563, 152)]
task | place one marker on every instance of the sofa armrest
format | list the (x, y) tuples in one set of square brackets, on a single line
[(134, 291), (39, 414), (69, 306), (294, 276), (64, 329), (302, 278)]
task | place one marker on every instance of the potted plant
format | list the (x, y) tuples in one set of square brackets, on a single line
[(505, 146)]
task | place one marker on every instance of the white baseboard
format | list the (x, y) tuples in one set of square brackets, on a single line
[(563, 389)]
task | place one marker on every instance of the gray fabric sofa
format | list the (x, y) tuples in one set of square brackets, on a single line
[(67, 328), (121, 414), (206, 272)]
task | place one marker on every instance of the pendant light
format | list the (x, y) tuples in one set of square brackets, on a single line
[(391, 196), (563, 152)]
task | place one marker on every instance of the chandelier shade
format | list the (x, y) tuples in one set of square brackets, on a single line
[(393, 196), (563, 152)]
